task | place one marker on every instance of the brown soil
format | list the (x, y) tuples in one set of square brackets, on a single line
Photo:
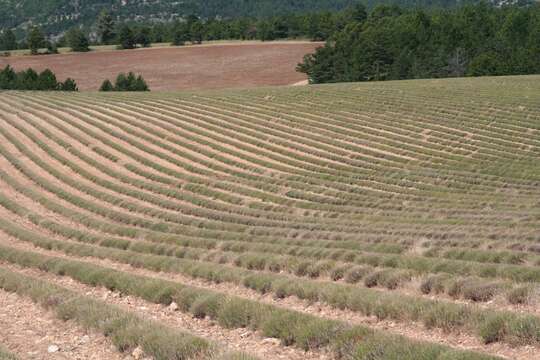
[(180, 68), (27, 330)]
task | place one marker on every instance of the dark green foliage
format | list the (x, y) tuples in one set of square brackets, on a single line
[(8, 78), (180, 34), (106, 86), (69, 85), (143, 36), (77, 40), (47, 81), (27, 80), (35, 40), (140, 84), (124, 82), (30, 80), (105, 28), (394, 43), (15, 14), (8, 41), (126, 38), (195, 29), (52, 48)]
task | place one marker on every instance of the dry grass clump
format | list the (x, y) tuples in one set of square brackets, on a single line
[(357, 273), (5, 354), (391, 279), (473, 289), (521, 295), (434, 284)]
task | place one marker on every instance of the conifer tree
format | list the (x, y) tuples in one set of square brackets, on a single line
[(35, 40)]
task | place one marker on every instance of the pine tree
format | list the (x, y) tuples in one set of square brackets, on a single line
[(143, 36), (196, 32), (27, 80), (106, 86), (8, 78), (121, 83), (105, 28), (130, 81), (69, 85), (8, 41), (35, 40), (52, 48), (47, 81), (140, 84), (77, 41), (126, 37), (180, 34), (124, 82)]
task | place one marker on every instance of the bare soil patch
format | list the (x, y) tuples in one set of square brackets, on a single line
[(36, 334), (180, 68)]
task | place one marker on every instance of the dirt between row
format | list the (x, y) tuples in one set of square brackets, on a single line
[(180, 68), (31, 332)]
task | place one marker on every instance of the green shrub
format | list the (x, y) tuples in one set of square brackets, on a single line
[(448, 317), (283, 326), (493, 329), (355, 274), (236, 313), (520, 295), (338, 272), (434, 284), (317, 334), (123, 82), (208, 305)]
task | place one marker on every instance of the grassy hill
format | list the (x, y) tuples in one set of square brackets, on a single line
[(366, 221)]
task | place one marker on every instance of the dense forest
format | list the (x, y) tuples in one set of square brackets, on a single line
[(57, 16), (392, 43), (317, 26)]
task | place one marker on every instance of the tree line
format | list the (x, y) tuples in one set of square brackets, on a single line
[(57, 16), (123, 82), (30, 80), (317, 26), (393, 43)]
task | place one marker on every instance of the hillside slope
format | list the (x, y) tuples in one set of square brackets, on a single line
[(332, 218), (61, 14)]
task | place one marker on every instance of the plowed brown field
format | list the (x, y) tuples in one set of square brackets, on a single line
[(178, 68)]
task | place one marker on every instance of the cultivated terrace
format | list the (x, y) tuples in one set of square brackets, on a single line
[(389, 220)]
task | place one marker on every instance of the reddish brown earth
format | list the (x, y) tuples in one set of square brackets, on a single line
[(180, 68)]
